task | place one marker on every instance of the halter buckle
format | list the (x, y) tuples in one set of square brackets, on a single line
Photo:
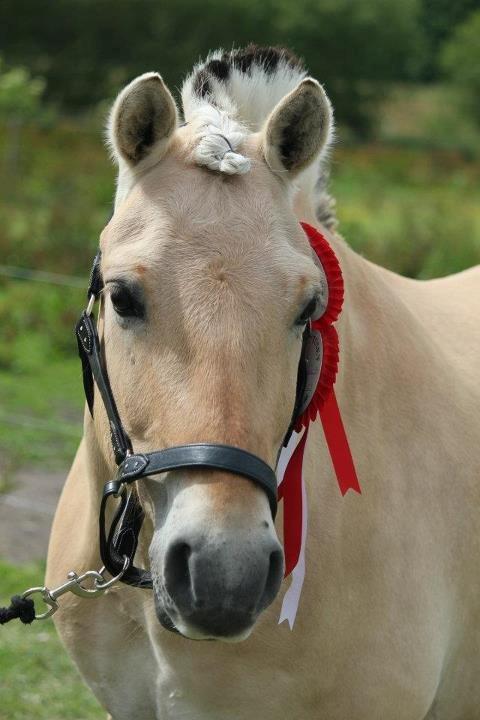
[(91, 303)]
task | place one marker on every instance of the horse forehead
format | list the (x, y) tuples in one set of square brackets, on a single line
[(172, 227), (186, 189), (181, 216)]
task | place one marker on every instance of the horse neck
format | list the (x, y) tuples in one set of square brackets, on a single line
[(391, 375)]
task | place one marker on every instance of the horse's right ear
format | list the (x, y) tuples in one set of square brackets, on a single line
[(142, 120)]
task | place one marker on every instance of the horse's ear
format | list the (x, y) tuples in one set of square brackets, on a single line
[(298, 129), (142, 120)]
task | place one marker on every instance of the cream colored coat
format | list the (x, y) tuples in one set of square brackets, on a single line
[(389, 621)]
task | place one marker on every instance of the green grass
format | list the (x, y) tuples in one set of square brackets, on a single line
[(37, 679), (413, 211), (41, 413), (40, 376), (431, 117), (409, 201), (56, 197)]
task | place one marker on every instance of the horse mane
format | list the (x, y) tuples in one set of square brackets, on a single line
[(230, 95)]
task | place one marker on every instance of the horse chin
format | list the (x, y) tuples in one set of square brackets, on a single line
[(164, 618), (188, 631), (191, 633)]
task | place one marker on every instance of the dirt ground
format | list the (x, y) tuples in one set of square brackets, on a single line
[(26, 514)]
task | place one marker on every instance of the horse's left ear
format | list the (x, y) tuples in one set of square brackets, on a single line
[(142, 120), (298, 129)]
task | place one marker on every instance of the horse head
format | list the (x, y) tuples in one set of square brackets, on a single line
[(209, 281)]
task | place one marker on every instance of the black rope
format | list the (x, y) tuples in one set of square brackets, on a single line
[(21, 608)]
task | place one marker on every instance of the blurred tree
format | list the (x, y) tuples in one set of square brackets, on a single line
[(20, 102), (20, 94), (439, 19), (87, 48), (461, 61), (356, 48)]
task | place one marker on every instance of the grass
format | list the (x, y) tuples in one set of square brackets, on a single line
[(431, 117), (413, 211), (40, 416), (56, 197), (40, 376), (37, 679)]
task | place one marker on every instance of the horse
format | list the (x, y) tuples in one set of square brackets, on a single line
[(208, 280)]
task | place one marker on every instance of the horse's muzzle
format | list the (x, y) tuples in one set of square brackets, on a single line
[(215, 588)]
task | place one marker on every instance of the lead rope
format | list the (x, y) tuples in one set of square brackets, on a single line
[(21, 608)]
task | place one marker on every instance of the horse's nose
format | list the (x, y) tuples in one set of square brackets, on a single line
[(219, 586)]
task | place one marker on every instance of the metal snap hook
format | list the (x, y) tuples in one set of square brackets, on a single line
[(47, 599), (75, 585)]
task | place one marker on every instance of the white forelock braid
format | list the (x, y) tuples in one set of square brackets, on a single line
[(219, 137)]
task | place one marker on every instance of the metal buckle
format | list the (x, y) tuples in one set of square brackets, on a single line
[(91, 303), (75, 585)]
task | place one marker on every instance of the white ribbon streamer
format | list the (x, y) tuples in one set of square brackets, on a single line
[(291, 599)]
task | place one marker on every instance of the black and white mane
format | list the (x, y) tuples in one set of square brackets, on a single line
[(230, 95)]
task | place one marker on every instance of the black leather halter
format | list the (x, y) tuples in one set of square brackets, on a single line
[(122, 538)]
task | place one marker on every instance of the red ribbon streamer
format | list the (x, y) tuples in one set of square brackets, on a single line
[(291, 491), (323, 402), (338, 445)]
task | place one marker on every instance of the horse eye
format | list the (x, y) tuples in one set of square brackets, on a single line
[(307, 312), (125, 303)]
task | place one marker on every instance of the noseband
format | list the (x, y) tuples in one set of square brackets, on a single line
[(122, 538)]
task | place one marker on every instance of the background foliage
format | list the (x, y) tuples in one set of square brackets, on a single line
[(461, 61), (86, 48)]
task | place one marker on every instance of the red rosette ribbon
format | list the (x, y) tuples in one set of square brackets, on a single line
[(323, 403)]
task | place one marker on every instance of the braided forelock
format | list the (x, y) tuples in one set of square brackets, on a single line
[(218, 139)]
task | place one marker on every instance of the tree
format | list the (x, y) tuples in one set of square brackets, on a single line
[(86, 49), (20, 102), (438, 20), (461, 61)]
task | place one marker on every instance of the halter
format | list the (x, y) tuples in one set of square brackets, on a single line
[(122, 539)]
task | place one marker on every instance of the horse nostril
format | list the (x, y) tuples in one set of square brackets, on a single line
[(177, 572), (221, 590), (274, 579)]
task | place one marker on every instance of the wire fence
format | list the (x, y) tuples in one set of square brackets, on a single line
[(34, 423), (42, 276), (50, 278)]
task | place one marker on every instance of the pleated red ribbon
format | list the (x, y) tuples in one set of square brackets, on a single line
[(324, 404)]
